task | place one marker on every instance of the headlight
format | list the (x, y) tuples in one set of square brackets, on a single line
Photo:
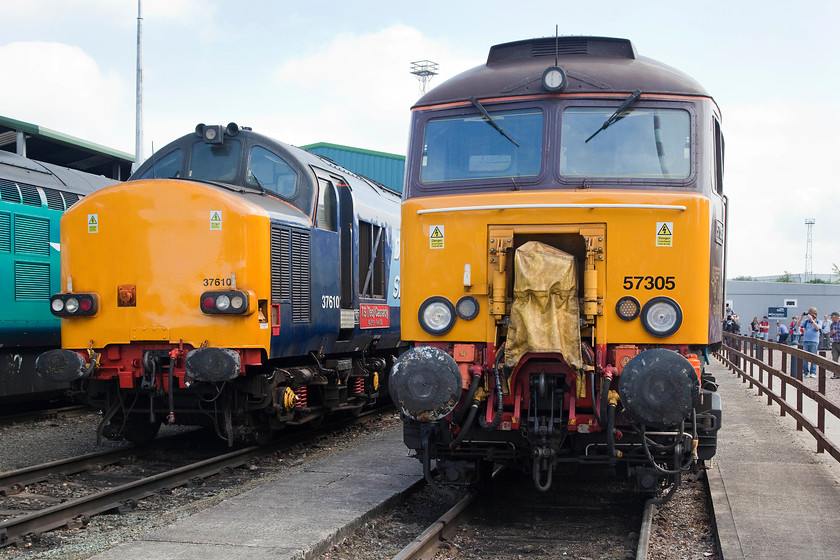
[(467, 308), (661, 316), (222, 302), (628, 308), (71, 305), (436, 315), (57, 305)]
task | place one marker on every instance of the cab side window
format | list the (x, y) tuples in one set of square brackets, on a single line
[(719, 150), (371, 260), (271, 172), (326, 216)]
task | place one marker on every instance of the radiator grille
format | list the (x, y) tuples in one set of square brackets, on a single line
[(30, 195), (32, 235), (9, 191), (290, 277), (562, 46), (5, 232), (300, 276), (70, 199), (281, 270), (54, 200), (32, 281), (568, 46)]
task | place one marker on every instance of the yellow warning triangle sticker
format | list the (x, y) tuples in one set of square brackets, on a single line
[(437, 234), (664, 230), (92, 219), (215, 217)]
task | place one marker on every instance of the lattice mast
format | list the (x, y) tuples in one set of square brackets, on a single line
[(425, 70), (809, 257)]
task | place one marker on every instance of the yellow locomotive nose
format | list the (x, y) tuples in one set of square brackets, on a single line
[(189, 234)]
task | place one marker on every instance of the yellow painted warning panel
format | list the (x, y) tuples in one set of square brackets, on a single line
[(216, 220), (436, 237), (664, 234)]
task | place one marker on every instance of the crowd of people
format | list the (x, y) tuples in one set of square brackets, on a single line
[(806, 331)]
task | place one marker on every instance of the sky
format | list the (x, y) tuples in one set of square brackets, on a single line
[(338, 71)]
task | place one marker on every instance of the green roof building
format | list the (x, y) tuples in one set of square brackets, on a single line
[(385, 168)]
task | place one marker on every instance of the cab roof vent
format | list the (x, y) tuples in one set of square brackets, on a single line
[(563, 46)]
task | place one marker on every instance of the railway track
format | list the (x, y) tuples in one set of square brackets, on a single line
[(120, 490), (37, 413), (583, 520)]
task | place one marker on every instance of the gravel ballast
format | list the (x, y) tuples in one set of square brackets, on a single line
[(682, 528)]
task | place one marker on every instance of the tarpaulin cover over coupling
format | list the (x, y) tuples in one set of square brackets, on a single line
[(545, 316)]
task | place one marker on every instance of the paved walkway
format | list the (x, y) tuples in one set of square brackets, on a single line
[(774, 496), (290, 517)]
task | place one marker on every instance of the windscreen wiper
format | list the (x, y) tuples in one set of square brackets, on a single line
[(614, 118), (262, 188), (491, 121)]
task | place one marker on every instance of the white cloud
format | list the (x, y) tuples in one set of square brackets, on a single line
[(61, 87), (355, 90), (360, 88), (779, 159)]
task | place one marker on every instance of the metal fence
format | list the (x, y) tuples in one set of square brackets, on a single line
[(776, 370)]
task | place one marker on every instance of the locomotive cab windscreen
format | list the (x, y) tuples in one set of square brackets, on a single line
[(223, 155)]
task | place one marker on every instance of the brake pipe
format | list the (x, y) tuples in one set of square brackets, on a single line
[(499, 405), (476, 378), (173, 355)]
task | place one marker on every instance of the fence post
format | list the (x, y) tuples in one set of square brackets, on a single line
[(751, 353), (799, 408), (784, 382), (770, 375), (761, 367), (821, 408)]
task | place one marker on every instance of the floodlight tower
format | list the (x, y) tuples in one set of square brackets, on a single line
[(424, 70), (809, 258)]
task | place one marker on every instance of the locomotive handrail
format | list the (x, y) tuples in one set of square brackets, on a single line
[(757, 354), (679, 207)]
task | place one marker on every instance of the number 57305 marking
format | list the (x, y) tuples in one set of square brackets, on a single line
[(649, 283)]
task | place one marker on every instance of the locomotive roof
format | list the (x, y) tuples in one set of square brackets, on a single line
[(21, 170), (592, 64), (303, 162), (300, 155)]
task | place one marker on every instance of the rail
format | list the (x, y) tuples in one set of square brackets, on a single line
[(433, 539), (775, 369), (15, 529)]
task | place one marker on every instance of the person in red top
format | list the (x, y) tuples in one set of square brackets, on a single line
[(764, 328), (794, 331)]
